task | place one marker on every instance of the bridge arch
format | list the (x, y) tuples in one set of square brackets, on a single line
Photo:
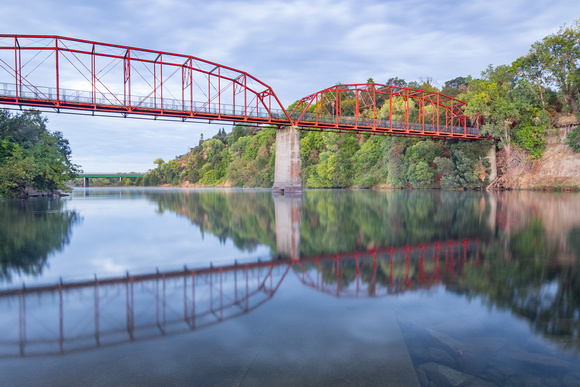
[(379, 108), (57, 73)]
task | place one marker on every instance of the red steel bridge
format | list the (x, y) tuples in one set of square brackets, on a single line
[(77, 316), (53, 73)]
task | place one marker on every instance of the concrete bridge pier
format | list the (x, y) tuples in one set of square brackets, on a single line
[(86, 182), (287, 172), (288, 213)]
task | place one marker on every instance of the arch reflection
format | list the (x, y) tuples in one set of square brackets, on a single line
[(78, 316)]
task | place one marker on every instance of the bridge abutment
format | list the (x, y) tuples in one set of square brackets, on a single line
[(287, 172)]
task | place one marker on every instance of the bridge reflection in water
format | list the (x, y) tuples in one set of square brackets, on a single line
[(69, 317)]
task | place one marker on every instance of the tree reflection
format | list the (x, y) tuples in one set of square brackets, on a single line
[(525, 261), (247, 218), (531, 269), (335, 221), (31, 230)]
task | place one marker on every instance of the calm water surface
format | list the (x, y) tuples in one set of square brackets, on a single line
[(237, 287)]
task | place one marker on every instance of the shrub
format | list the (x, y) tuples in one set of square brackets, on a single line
[(574, 139)]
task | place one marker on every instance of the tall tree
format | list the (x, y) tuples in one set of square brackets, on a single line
[(493, 98), (556, 60)]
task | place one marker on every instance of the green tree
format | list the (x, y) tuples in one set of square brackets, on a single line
[(31, 156), (493, 98), (555, 60), (420, 157), (466, 167)]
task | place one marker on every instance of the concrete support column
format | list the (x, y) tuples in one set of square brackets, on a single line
[(287, 172), (491, 156), (86, 182), (288, 212)]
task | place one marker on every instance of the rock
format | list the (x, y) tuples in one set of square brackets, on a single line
[(506, 371), (473, 364), (487, 344), (448, 377), (533, 381), (446, 341), (552, 382), (479, 383), (494, 375), (570, 381), (514, 381), (537, 359), (422, 378), (440, 356)]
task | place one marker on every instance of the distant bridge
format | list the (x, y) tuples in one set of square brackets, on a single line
[(110, 175), (120, 175), (59, 74)]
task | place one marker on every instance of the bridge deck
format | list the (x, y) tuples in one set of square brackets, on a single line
[(110, 175), (172, 109)]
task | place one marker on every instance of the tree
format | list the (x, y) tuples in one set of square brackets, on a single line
[(467, 166), (396, 82), (455, 86), (556, 60), (31, 156), (420, 157), (493, 98)]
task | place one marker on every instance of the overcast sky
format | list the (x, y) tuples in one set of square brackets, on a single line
[(297, 47)]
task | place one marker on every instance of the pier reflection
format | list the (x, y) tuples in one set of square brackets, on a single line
[(69, 317)]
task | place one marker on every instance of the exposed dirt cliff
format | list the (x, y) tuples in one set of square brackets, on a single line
[(559, 166)]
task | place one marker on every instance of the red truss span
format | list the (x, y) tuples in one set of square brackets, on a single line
[(63, 73), (56, 73), (372, 107)]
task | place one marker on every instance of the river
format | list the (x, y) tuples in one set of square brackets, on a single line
[(119, 286)]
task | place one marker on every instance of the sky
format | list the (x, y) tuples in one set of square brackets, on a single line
[(297, 47)]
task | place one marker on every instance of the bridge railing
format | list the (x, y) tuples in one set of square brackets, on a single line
[(83, 97), (386, 124)]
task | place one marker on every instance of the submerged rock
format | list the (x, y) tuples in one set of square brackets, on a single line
[(569, 381), (440, 356), (486, 344), (446, 341), (422, 378), (537, 359), (448, 377)]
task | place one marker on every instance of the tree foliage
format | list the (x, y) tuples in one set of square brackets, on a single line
[(31, 156), (574, 139), (556, 61)]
